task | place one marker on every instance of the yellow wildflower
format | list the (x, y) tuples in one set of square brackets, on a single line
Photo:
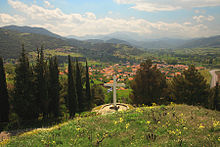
[(201, 126), (185, 128), (216, 123), (121, 120), (148, 122), (115, 122), (127, 125)]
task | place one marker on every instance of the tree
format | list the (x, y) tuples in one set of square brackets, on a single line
[(88, 93), (53, 87), (97, 95), (71, 98), (191, 88), (215, 97), (4, 98), (79, 88), (24, 102), (40, 74), (148, 85)]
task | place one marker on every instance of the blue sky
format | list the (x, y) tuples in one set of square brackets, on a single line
[(150, 18)]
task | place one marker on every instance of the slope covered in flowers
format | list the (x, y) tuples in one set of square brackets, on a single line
[(173, 125)]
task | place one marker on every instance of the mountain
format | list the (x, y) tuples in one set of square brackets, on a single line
[(10, 46), (117, 41), (27, 29), (10, 42), (141, 41), (213, 41)]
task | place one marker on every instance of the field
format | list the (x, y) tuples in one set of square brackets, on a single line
[(173, 125)]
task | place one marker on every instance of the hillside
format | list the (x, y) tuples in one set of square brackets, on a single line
[(10, 42), (213, 41), (173, 125), (10, 46), (35, 30)]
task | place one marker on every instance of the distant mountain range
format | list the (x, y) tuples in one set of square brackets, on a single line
[(141, 41), (11, 38)]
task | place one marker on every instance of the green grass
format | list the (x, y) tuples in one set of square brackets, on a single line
[(174, 125), (123, 94), (205, 73)]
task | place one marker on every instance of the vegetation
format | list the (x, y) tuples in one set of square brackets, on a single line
[(4, 97), (148, 85), (190, 88), (173, 125), (71, 102)]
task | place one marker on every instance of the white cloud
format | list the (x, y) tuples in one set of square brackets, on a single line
[(90, 15), (202, 18), (47, 4), (64, 24), (167, 5), (6, 19)]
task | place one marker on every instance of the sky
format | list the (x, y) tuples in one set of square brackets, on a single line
[(150, 18)]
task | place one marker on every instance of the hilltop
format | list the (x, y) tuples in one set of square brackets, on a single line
[(173, 125)]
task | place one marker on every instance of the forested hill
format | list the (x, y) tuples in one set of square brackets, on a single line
[(10, 46), (213, 41), (35, 30)]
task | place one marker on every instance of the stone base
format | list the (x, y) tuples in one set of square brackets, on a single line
[(110, 108)]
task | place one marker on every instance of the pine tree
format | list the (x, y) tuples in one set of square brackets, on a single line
[(24, 102), (71, 99), (148, 85), (40, 73), (4, 98), (53, 87), (88, 93), (79, 88), (191, 88)]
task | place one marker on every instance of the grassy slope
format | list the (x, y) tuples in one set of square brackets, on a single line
[(205, 73), (146, 126)]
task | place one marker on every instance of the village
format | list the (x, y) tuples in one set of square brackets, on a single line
[(125, 72)]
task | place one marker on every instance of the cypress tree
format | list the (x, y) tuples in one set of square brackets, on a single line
[(88, 93), (79, 88), (71, 100), (24, 102), (53, 87), (4, 98), (40, 73)]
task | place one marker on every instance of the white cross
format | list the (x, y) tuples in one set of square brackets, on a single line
[(115, 84)]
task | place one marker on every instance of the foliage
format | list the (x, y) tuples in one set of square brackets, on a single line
[(24, 102), (88, 93), (79, 89), (4, 97), (71, 98), (190, 88), (40, 83), (148, 84), (97, 95), (54, 87)]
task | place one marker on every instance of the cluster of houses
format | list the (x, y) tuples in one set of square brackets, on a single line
[(126, 72)]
